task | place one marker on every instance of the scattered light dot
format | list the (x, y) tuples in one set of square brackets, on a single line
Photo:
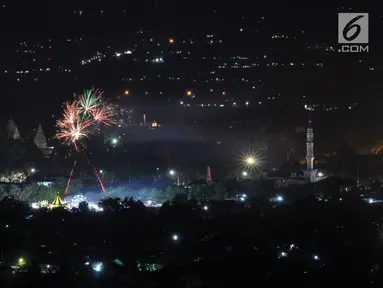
[(97, 267)]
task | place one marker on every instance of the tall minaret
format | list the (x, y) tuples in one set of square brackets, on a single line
[(310, 153)]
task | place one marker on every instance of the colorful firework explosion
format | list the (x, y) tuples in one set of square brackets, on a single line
[(80, 116), (85, 111), (90, 100)]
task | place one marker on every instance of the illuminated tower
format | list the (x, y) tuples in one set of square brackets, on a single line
[(13, 132), (310, 173), (40, 140), (208, 174)]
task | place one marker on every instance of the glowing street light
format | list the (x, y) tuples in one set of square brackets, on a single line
[(33, 170), (175, 173), (98, 267), (126, 92), (175, 237), (245, 174), (189, 93), (250, 161), (320, 174)]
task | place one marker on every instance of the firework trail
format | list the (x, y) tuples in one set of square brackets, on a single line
[(98, 177), (70, 177), (79, 117)]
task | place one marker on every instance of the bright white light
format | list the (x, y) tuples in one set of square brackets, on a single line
[(250, 161), (182, 103), (86, 263), (33, 170), (243, 199), (244, 174), (283, 255), (316, 257), (35, 205), (320, 174), (175, 237), (48, 266), (97, 267), (172, 172), (371, 201), (95, 207), (279, 199), (101, 171), (244, 195), (205, 208)]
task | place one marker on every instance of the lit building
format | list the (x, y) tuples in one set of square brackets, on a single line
[(41, 142), (310, 172)]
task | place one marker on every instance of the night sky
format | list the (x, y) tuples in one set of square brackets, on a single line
[(113, 26)]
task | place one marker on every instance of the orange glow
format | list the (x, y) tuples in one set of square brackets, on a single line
[(126, 92), (189, 93), (171, 41), (154, 124), (241, 30)]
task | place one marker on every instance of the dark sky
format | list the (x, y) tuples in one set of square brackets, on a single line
[(38, 21)]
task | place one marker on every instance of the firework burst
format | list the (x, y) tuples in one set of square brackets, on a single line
[(250, 159), (84, 113), (89, 101), (72, 129), (103, 116)]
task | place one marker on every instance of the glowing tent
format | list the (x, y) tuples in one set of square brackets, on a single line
[(58, 201)]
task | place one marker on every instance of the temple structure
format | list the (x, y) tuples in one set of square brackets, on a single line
[(12, 130), (41, 142)]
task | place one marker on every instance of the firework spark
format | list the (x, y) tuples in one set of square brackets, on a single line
[(72, 129), (250, 159), (103, 116), (90, 100), (84, 112)]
